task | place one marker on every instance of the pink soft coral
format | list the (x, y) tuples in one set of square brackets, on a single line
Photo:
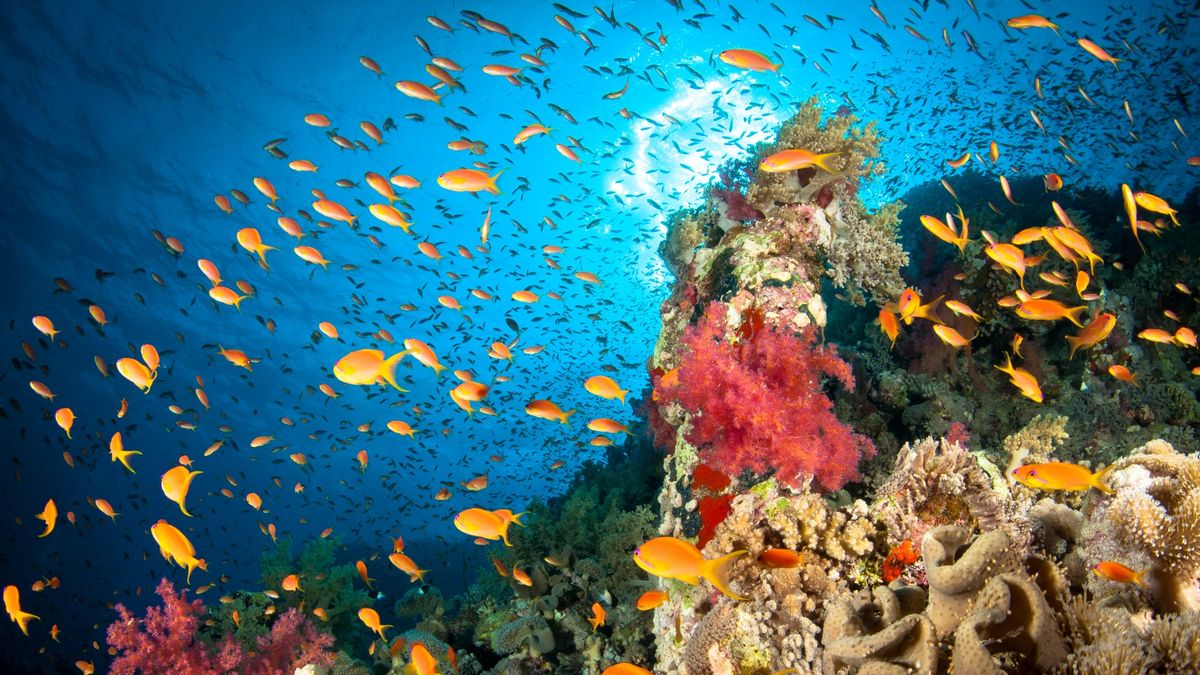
[(757, 402), (165, 642)]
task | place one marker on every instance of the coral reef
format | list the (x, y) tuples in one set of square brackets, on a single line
[(166, 640), (979, 603), (1153, 522), (777, 627), (939, 482), (757, 405)]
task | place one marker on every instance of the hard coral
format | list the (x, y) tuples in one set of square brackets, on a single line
[(1155, 514), (758, 404)]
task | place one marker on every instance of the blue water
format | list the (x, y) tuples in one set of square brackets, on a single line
[(124, 118)]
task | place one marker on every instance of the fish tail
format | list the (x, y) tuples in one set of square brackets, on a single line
[(388, 370), (1140, 578), (1074, 313), (621, 394), (1098, 480), (419, 575), (1074, 341), (491, 183), (516, 518), (23, 619), (717, 573), (1007, 367), (820, 160), (565, 419)]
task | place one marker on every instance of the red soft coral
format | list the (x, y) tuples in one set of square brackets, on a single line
[(165, 642), (757, 403)]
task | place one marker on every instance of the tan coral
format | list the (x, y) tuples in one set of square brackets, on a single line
[(1155, 513), (935, 482), (957, 573), (1010, 616), (877, 636)]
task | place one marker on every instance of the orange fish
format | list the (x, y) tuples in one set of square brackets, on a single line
[(521, 576), (1045, 309), (793, 160), (489, 525), (370, 619), (1122, 373), (1095, 50), (362, 572), (547, 410), (1156, 205), (672, 558), (1157, 335), (780, 558), (748, 59), (422, 661), (175, 485), (176, 548), (49, 516), (368, 366), (1115, 571), (407, 565), (1009, 257), (12, 605), (624, 668), (1031, 21), (598, 616), (607, 426), (1022, 380), (469, 180), (889, 325), (1062, 476), (651, 599), (118, 453), (65, 419), (950, 336), (1094, 333)]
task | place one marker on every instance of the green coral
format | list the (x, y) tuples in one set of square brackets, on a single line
[(323, 585)]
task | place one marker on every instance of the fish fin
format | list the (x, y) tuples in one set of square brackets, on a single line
[(1074, 313), (1007, 367), (388, 370), (1098, 480), (1074, 342), (717, 573), (491, 183), (1140, 578), (820, 160), (566, 417), (23, 619), (516, 518)]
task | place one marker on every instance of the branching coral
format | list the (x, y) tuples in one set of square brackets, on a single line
[(861, 249), (165, 642), (758, 404)]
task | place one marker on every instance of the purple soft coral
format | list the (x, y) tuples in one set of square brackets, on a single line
[(757, 403)]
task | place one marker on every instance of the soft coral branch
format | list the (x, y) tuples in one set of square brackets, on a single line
[(164, 642), (757, 403)]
